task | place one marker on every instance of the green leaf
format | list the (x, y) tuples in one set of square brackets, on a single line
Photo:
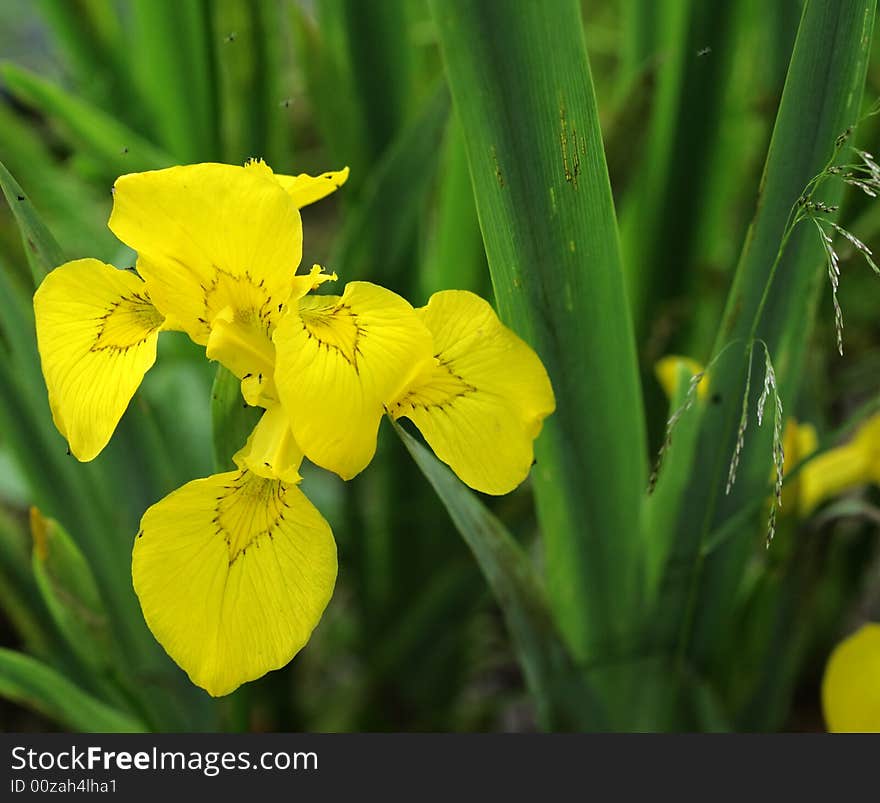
[(454, 257), (675, 182), (89, 34), (72, 208), (20, 600), (639, 35), (380, 66), (70, 593), (43, 253), (254, 118), (322, 57), (670, 482), (173, 66), (563, 697), (113, 145), (29, 682), (640, 222), (231, 419), (400, 181), (523, 91)]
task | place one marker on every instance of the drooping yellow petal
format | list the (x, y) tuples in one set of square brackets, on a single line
[(97, 332), (842, 468), (481, 402), (271, 450), (830, 474), (668, 370), (248, 351), (211, 239), (851, 686), (340, 360), (305, 189), (233, 573), (867, 440), (241, 349)]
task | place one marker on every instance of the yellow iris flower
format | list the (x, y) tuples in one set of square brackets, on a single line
[(233, 571), (851, 685), (827, 475)]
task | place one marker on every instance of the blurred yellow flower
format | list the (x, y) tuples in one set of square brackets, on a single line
[(851, 685), (843, 468), (669, 369), (827, 475), (799, 441)]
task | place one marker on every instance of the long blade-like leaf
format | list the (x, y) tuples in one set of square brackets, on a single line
[(405, 171), (249, 76), (523, 91), (173, 63), (564, 699), (43, 253), (27, 681), (116, 147)]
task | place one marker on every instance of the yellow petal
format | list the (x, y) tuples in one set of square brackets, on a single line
[(305, 189), (211, 237), (867, 439), (271, 450), (306, 282), (248, 352), (668, 371), (339, 362), (482, 401), (97, 333), (233, 573), (803, 441), (834, 472), (851, 686), (799, 441)]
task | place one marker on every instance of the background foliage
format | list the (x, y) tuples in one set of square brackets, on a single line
[(617, 175)]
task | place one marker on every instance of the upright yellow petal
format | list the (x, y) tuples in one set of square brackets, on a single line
[(481, 402), (233, 573), (668, 370), (851, 686), (211, 239), (271, 450), (305, 189), (340, 360), (97, 332)]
